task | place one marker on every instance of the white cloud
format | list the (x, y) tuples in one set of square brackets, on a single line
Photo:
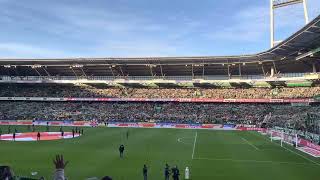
[(107, 32)]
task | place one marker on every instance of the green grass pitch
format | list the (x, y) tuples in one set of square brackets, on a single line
[(210, 155)]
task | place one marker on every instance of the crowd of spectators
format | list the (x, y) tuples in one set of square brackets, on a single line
[(254, 114), (100, 91)]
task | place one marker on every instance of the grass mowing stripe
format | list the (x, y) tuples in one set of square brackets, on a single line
[(244, 139), (194, 144), (253, 161)]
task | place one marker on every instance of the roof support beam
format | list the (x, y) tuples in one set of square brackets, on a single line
[(46, 71), (151, 70), (83, 73), (314, 68), (35, 69), (310, 53), (192, 71), (121, 71), (263, 71), (275, 68), (73, 71), (203, 71), (110, 68), (161, 71)]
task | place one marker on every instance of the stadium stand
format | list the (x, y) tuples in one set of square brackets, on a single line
[(87, 91), (227, 113)]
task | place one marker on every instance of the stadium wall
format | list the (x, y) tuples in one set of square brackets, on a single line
[(182, 100)]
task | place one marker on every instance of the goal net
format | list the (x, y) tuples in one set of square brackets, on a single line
[(292, 139), (283, 137)]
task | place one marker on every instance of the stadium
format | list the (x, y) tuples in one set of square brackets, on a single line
[(254, 116)]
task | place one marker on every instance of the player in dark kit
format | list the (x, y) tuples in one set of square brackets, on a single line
[(145, 172), (73, 133), (14, 136), (38, 136), (127, 134), (175, 173), (48, 126), (167, 172), (121, 150), (0, 133)]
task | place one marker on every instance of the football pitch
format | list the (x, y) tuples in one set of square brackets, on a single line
[(210, 155)]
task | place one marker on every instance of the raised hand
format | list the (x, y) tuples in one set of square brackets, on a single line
[(59, 162)]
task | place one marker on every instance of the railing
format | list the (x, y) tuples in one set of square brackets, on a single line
[(110, 78)]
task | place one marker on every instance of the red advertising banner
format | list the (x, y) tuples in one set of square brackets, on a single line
[(147, 125)]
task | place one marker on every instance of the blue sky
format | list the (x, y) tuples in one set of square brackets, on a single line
[(131, 28)]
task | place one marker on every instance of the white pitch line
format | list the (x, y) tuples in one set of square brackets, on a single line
[(293, 152), (244, 139), (253, 161), (301, 156), (194, 144)]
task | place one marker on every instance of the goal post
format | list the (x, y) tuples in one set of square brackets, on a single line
[(292, 138), (283, 137)]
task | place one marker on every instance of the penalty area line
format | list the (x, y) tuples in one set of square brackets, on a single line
[(245, 140), (194, 144)]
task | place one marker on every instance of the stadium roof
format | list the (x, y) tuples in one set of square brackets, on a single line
[(302, 46)]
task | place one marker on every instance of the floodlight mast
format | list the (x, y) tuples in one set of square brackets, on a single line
[(275, 4)]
